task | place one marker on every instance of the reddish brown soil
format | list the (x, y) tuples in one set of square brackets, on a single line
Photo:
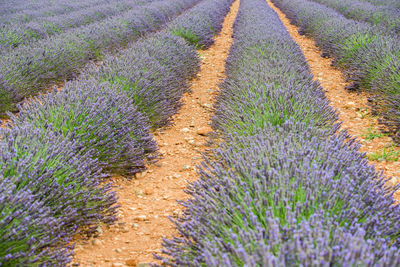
[(147, 201), (352, 107)]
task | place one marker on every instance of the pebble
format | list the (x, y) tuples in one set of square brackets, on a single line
[(140, 218), (99, 230), (124, 229), (148, 191), (117, 264), (142, 174), (143, 264), (185, 130), (186, 167), (131, 262), (135, 225), (96, 242), (204, 130), (175, 212), (118, 250)]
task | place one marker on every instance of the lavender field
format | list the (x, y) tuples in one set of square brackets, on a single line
[(86, 87)]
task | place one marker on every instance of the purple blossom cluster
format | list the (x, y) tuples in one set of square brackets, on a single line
[(12, 35), (199, 25), (286, 187), (18, 11), (32, 67), (56, 152), (389, 3), (369, 55), (154, 73), (384, 16), (104, 121), (50, 186)]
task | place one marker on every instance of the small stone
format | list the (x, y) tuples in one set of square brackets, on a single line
[(140, 218), (142, 174), (118, 250), (135, 225), (143, 264), (186, 167), (75, 264), (131, 262), (165, 197), (148, 191), (117, 264), (124, 229), (191, 142), (206, 105), (96, 242), (176, 176), (175, 212), (185, 130), (204, 130), (99, 230)]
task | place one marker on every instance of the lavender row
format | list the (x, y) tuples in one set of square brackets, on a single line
[(154, 72), (286, 187), (368, 55), (96, 120), (389, 3), (384, 16), (30, 68), (49, 188), (12, 12), (13, 35), (200, 24)]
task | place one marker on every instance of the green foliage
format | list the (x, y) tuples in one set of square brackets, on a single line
[(386, 154), (189, 36)]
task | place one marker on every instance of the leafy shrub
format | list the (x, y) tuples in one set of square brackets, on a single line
[(50, 187), (104, 121)]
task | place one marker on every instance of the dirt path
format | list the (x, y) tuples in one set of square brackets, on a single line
[(146, 202), (352, 107)]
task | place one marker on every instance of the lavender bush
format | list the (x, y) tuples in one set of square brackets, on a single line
[(13, 35), (30, 68), (104, 121), (201, 23), (154, 73), (50, 187), (367, 54), (286, 187), (384, 16)]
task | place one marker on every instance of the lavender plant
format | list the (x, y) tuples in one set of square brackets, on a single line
[(154, 73), (13, 35), (368, 55), (50, 187), (200, 24), (103, 120), (384, 16), (30, 68), (24, 227), (286, 187)]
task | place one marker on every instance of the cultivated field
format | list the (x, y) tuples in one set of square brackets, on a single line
[(200, 133)]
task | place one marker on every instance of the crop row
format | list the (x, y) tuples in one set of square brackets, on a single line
[(385, 16), (15, 34), (369, 56), (56, 154), (286, 187), (24, 11), (390, 3), (29, 68)]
